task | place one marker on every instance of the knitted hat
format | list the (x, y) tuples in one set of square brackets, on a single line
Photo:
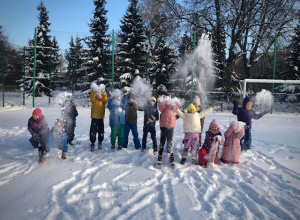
[(37, 111), (153, 99), (130, 96), (191, 107), (214, 122), (196, 100)]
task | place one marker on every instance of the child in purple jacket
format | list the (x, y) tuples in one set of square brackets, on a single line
[(38, 128), (245, 114)]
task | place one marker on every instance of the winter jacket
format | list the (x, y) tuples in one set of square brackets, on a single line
[(116, 116), (245, 115), (209, 139), (232, 148), (131, 113), (38, 127), (69, 114), (98, 106), (167, 116), (191, 122), (151, 112)]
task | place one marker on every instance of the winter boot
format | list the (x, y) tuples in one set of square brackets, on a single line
[(92, 147), (143, 149), (172, 159), (42, 160), (183, 160), (64, 156), (71, 143), (119, 148), (113, 148), (160, 156), (194, 161), (100, 146)]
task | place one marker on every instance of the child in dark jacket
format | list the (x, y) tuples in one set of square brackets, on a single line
[(131, 122), (150, 116), (117, 118), (38, 128), (245, 114), (57, 138), (211, 144), (69, 114)]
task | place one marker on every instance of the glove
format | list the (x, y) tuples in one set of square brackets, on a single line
[(235, 105), (35, 137), (216, 107)]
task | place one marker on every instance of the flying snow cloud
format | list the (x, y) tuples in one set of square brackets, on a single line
[(204, 77), (264, 100), (141, 90)]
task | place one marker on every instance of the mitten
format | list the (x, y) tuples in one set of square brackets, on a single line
[(235, 105)]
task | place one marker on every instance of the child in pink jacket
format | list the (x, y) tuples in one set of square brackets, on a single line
[(167, 107), (232, 147)]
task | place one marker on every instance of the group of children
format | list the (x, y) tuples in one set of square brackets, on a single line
[(61, 134), (123, 118)]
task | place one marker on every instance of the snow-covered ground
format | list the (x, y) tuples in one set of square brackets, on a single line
[(127, 185)]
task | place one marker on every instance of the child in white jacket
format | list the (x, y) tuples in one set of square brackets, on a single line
[(192, 128)]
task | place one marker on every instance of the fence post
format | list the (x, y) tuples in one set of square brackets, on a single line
[(274, 67)]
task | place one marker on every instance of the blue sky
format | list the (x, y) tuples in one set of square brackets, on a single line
[(67, 17)]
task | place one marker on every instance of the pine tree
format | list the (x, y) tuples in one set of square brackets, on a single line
[(293, 60), (164, 65), (186, 45), (131, 55), (219, 46), (75, 60), (98, 43), (43, 50), (56, 79)]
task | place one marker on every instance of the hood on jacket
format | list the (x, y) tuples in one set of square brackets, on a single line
[(246, 100)]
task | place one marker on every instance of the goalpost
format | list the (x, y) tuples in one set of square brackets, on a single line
[(267, 81)]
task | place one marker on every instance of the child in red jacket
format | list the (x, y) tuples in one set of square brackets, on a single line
[(39, 129)]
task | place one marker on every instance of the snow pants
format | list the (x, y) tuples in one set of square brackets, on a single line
[(191, 140), (117, 131), (166, 135), (97, 126), (152, 131), (201, 157), (70, 129), (136, 140), (246, 140)]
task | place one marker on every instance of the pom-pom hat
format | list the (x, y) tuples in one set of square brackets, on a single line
[(37, 111)]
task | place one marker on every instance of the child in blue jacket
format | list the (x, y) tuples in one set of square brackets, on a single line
[(57, 138), (116, 106)]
